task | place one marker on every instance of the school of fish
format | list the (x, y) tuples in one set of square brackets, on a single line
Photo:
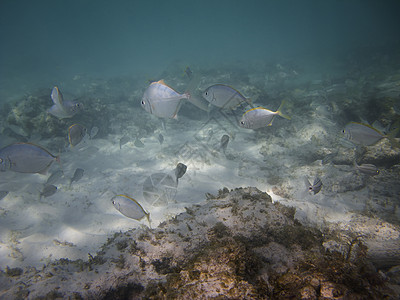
[(162, 101)]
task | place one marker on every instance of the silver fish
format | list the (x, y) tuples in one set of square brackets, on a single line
[(3, 194), (180, 170), (76, 133), (129, 207), (54, 177), (260, 117), (224, 142), (315, 187), (78, 174), (368, 169), (224, 96), (362, 134), (26, 158), (161, 138), (162, 101), (125, 139), (63, 109), (48, 190)]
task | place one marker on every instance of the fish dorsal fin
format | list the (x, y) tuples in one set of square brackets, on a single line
[(255, 108), (57, 97), (161, 81), (370, 127)]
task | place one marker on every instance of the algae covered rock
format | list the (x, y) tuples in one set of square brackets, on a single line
[(237, 245)]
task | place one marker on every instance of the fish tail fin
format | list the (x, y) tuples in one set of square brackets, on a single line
[(279, 112)]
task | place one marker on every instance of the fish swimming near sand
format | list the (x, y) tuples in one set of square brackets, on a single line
[(26, 158), (129, 207), (180, 170), (260, 117), (368, 169), (224, 96), (78, 174), (366, 135), (162, 101), (48, 191), (63, 109), (315, 187), (161, 138), (76, 133)]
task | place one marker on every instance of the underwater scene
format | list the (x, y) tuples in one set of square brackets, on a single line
[(200, 149)]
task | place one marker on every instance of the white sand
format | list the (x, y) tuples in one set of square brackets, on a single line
[(77, 220)]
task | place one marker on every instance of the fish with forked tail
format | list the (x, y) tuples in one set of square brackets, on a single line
[(260, 117)]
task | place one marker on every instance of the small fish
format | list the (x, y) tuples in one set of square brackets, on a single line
[(129, 207), (54, 177), (180, 170), (94, 131), (189, 73), (3, 194), (162, 101), (77, 175), (138, 143), (366, 135), (161, 138), (368, 169), (224, 96), (26, 158), (76, 134), (260, 117), (125, 139), (315, 187), (63, 109), (48, 190), (224, 142)]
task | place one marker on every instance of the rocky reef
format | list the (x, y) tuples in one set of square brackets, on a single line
[(236, 245)]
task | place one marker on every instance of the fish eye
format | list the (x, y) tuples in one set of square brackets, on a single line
[(242, 122), (143, 103), (206, 93), (343, 131)]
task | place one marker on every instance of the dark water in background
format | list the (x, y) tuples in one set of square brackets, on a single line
[(44, 42)]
